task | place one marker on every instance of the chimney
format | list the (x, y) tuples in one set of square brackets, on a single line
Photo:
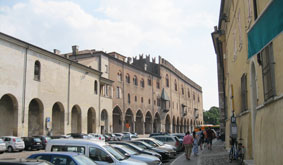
[(129, 60), (75, 49), (153, 60), (56, 51)]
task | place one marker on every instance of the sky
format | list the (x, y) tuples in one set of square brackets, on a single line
[(177, 30)]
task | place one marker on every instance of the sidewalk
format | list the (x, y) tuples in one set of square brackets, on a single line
[(217, 156)]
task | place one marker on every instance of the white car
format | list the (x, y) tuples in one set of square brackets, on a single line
[(14, 143), (97, 136), (99, 151), (2, 146)]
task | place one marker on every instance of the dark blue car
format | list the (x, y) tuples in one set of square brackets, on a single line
[(63, 158)]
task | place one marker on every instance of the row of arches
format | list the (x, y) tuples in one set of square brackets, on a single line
[(9, 118), (148, 124)]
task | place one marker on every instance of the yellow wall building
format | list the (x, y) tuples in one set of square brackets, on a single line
[(248, 43)]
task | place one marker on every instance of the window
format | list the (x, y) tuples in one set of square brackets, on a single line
[(189, 95), (44, 157), (119, 76), (59, 148), (97, 154), (37, 70), (198, 98), (95, 87), (61, 160), (135, 80), (106, 69), (268, 72), (148, 101), (167, 80), (129, 98), (183, 90), (118, 94), (149, 82), (176, 87), (157, 85), (128, 79), (141, 99), (244, 91), (169, 139), (136, 98), (194, 96), (158, 102), (142, 83), (255, 9)]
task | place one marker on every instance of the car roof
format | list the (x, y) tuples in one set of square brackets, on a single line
[(58, 153), (77, 141), (10, 136)]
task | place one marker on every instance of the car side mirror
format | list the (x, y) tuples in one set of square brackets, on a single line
[(127, 155)]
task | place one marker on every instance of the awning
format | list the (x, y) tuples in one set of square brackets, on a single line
[(266, 28), (164, 95)]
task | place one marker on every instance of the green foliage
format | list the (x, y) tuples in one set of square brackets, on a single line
[(212, 116)]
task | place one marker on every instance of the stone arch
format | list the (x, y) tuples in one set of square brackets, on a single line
[(157, 123), (178, 125), (191, 125), (185, 126), (76, 119), (167, 124), (182, 125), (35, 117), (104, 121), (139, 122), (129, 121), (188, 125), (117, 119), (91, 120), (148, 123), (9, 115), (174, 124), (58, 119)]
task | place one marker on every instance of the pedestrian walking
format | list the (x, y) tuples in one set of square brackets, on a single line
[(188, 144), (209, 138), (195, 144), (200, 138)]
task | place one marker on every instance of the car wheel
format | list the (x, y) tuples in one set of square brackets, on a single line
[(10, 149), (1, 152), (20, 150), (29, 148)]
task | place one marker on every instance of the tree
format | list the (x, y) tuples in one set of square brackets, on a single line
[(212, 116)]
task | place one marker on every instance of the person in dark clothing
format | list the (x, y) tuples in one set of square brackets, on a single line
[(209, 138)]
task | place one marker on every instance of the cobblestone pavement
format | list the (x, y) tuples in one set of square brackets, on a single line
[(23, 154)]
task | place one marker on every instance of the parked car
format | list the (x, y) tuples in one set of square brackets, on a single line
[(171, 140), (14, 143), (119, 136), (156, 143), (149, 159), (157, 134), (137, 148), (61, 137), (63, 158), (107, 138), (98, 136), (181, 138), (129, 135), (99, 151), (112, 136), (32, 143), (78, 135), (2, 146), (21, 161), (164, 153), (44, 140)]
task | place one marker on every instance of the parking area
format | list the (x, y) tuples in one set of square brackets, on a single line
[(23, 154)]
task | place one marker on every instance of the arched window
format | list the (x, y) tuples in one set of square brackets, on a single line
[(141, 99), (135, 80), (129, 98), (136, 98), (119, 76), (149, 82), (142, 82), (189, 95), (95, 87), (183, 90), (167, 80), (37, 70), (176, 87), (157, 84), (148, 101), (128, 79)]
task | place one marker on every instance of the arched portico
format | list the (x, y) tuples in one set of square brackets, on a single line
[(129, 121), (117, 119), (35, 118), (58, 117), (104, 121), (91, 120), (157, 123), (9, 115), (178, 125), (139, 122), (174, 125), (167, 124), (148, 123), (76, 119)]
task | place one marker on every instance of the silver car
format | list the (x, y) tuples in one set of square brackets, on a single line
[(171, 140), (2, 146), (14, 143), (150, 160), (171, 149)]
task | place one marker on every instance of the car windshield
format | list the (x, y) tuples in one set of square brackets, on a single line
[(81, 159), (137, 147), (128, 150), (145, 145), (118, 135), (19, 140), (117, 154), (158, 142), (37, 140)]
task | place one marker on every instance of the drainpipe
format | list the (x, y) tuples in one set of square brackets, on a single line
[(122, 121), (24, 89), (68, 97)]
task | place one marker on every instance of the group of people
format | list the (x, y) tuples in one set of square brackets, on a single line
[(192, 142)]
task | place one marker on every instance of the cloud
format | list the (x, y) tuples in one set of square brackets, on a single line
[(178, 30)]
